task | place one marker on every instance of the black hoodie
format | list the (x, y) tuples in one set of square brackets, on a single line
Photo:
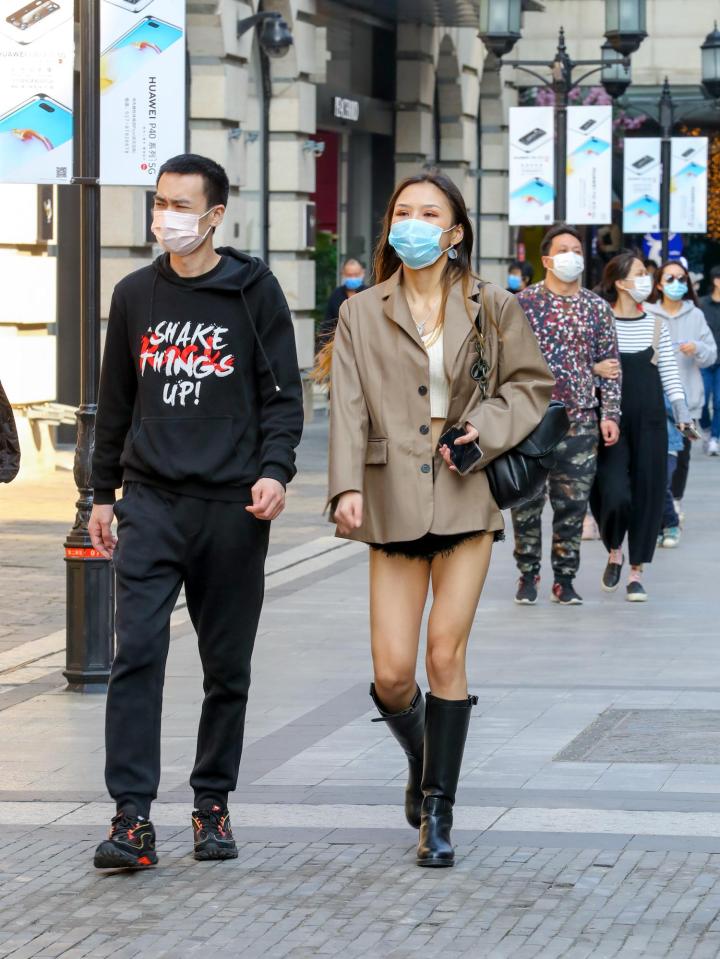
[(200, 390)]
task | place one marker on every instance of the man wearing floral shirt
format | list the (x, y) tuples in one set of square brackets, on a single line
[(576, 331)]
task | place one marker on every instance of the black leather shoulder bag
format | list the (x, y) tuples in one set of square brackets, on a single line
[(519, 475)]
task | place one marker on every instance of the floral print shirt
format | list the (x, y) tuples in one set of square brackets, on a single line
[(574, 333)]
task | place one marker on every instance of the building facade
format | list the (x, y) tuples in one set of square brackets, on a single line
[(313, 142)]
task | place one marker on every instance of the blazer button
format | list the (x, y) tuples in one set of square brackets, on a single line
[(424, 430), (422, 390), (425, 468)]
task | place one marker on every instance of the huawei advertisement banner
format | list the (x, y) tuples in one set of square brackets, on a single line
[(589, 164), (689, 185), (142, 88), (641, 190), (36, 91), (532, 166)]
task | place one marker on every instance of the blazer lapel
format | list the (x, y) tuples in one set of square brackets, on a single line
[(460, 314), (395, 307)]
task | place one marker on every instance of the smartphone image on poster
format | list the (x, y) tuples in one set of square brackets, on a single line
[(644, 164), (30, 130), (532, 140), (140, 45), (690, 171), (592, 147), (644, 206), (537, 191), (133, 6), (26, 22)]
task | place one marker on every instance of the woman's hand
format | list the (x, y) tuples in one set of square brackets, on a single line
[(689, 349), (349, 512), (607, 369), (471, 436)]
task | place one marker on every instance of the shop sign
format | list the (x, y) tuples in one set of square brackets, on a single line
[(641, 185), (344, 109), (36, 91), (589, 164), (532, 166), (689, 185), (142, 88)]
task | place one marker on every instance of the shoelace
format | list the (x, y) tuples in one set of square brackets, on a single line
[(123, 826), (213, 818)]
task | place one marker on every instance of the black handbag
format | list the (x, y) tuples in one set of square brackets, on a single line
[(519, 475)]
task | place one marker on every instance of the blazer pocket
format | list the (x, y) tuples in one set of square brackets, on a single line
[(376, 453)]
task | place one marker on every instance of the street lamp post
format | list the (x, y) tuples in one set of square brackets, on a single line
[(90, 582)]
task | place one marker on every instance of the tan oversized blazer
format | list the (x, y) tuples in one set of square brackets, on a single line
[(380, 438)]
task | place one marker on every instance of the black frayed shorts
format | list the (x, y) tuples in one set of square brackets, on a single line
[(431, 545)]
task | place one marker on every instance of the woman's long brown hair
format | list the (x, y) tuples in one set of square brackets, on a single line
[(386, 261), (657, 294)]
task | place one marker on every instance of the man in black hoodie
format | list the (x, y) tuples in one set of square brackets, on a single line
[(199, 414)]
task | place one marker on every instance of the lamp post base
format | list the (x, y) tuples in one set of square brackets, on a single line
[(90, 627)]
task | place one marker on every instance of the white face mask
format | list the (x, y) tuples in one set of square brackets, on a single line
[(179, 233), (568, 266), (641, 288)]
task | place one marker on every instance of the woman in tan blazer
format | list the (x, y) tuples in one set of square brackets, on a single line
[(401, 376)]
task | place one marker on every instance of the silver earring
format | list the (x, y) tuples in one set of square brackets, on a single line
[(452, 253)]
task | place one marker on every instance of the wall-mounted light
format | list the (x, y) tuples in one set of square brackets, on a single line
[(317, 147)]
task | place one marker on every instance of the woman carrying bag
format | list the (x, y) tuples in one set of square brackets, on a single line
[(628, 496), (9, 444), (401, 374)]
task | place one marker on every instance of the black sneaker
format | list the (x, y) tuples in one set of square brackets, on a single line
[(611, 577), (527, 590), (130, 845), (213, 833), (635, 593), (563, 593)]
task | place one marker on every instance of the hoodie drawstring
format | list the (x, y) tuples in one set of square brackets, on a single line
[(258, 340)]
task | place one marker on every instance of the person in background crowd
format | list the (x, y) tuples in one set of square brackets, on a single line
[(674, 299), (520, 276), (669, 536), (652, 268), (629, 491), (575, 329), (710, 305), (352, 281), (199, 413), (9, 445), (401, 362)]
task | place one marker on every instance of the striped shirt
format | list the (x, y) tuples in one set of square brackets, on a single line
[(635, 335)]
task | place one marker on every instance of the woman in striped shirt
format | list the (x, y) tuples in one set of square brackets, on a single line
[(629, 490)]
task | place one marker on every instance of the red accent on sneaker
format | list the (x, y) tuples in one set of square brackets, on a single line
[(144, 861)]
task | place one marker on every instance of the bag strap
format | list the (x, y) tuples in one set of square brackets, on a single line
[(480, 369)]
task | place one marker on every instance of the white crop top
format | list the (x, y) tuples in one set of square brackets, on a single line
[(439, 386)]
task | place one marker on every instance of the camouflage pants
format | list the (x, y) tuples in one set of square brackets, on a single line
[(569, 485)]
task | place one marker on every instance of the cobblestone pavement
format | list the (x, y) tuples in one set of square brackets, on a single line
[(587, 821)]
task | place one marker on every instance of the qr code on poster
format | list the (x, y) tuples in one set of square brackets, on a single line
[(61, 172)]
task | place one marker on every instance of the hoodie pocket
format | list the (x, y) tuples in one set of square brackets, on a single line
[(185, 448)]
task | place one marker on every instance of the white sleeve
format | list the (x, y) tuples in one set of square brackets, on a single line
[(668, 368)]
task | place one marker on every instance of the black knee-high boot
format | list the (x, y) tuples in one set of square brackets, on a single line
[(446, 726), (408, 727)]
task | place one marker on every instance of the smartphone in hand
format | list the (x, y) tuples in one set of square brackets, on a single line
[(463, 457)]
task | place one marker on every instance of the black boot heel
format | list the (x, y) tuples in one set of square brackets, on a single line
[(446, 727), (408, 727)]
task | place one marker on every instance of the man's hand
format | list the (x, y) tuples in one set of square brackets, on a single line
[(607, 369), (471, 436), (268, 499), (610, 432), (349, 512), (100, 530), (689, 348)]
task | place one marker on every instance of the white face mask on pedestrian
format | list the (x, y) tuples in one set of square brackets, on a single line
[(179, 233), (567, 267), (640, 288)]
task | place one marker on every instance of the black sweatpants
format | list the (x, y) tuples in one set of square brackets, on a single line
[(682, 470), (217, 550)]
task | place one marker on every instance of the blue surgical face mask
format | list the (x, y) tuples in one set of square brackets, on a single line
[(514, 282), (417, 242), (353, 282), (675, 290)]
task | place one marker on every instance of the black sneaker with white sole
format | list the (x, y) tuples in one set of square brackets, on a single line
[(611, 577), (564, 593), (635, 593), (527, 592), (130, 845), (213, 833)]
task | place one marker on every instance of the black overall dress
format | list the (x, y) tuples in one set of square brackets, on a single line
[(629, 490)]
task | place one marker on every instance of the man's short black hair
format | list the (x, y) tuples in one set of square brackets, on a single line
[(217, 185), (526, 269), (715, 273), (560, 229)]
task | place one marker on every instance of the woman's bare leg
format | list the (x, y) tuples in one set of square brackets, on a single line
[(458, 581), (398, 591)]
